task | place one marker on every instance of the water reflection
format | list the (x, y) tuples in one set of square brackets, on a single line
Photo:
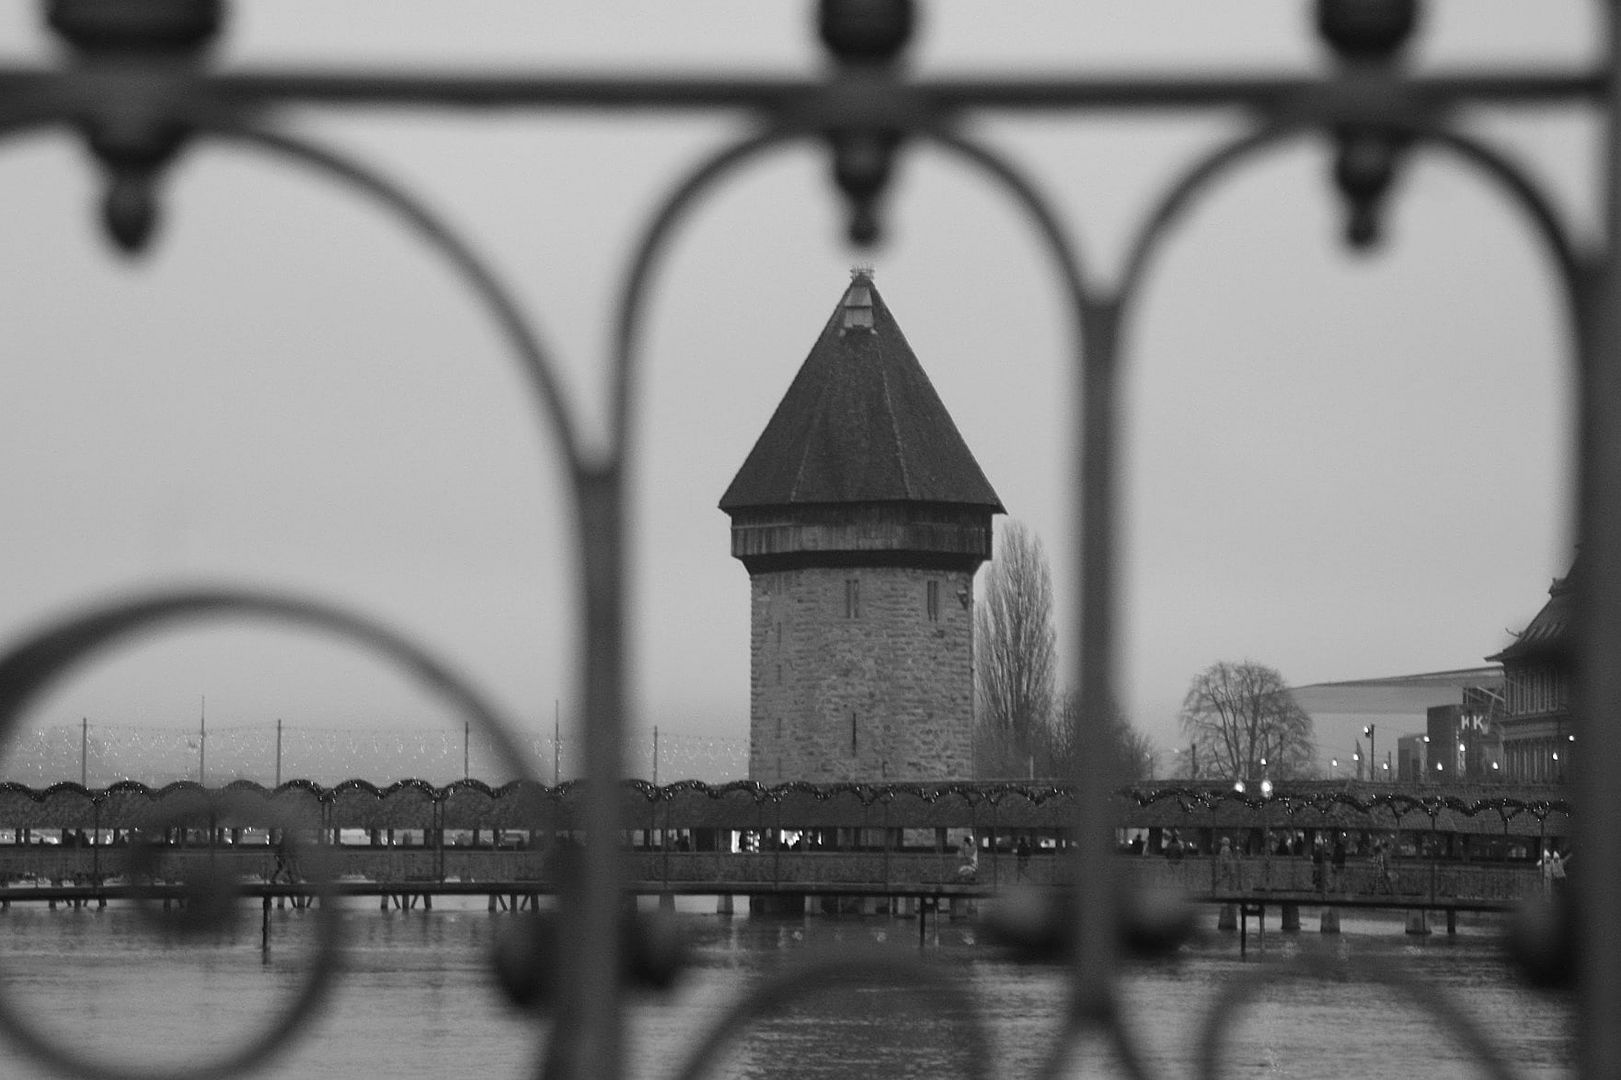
[(418, 1001)]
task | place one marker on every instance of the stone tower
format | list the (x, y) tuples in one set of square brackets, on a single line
[(861, 517)]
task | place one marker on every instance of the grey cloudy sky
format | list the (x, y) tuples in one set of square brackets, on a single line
[(1344, 467)]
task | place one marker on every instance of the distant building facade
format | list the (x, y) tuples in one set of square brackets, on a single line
[(861, 517), (1387, 719), (1463, 742), (1538, 729)]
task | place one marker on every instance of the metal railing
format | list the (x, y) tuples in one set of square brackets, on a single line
[(137, 89)]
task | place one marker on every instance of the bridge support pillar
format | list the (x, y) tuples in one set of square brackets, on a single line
[(1452, 922), (723, 904), (1289, 918), (777, 904), (1228, 918), (1418, 922), (1330, 923), (666, 901)]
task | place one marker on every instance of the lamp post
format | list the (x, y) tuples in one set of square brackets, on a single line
[(1266, 833), (1373, 749)]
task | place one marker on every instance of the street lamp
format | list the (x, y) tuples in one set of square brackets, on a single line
[(1373, 749), (1266, 832)]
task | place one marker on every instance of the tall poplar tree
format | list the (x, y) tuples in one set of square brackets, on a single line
[(1015, 655)]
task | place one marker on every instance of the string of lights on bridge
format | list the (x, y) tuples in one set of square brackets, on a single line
[(1189, 798)]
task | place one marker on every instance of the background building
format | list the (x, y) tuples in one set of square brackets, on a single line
[(1376, 718), (1538, 735), (1463, 742)]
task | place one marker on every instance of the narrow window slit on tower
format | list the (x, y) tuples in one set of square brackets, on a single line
[(852, 598), (932, 593), (854, 745)]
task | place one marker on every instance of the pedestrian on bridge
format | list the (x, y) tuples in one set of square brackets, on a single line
[(1227, 863), (967, 859)]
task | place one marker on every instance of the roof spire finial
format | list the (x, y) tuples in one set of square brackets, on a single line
[(858, 299)]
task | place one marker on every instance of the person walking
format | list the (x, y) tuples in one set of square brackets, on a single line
[(1381, 869), (1227, 864), (967, 859)]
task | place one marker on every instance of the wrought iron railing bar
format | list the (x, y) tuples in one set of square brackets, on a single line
[(1225, 1014), (1093, 547), (771, 995), (1179, 196), (587, 1031), (635, 284), (1571, 263), (1112, 1029), (1568, 260), (54, 649), (475, 272), (1596, 937), (589, 1023), (684, 92)]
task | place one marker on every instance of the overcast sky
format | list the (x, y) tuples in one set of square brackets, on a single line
[(1343, 467)]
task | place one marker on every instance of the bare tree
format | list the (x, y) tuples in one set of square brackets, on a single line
[(1244, 723), (1015, 655), (1132, 754)]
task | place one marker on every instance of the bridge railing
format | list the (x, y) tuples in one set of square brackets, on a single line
[(871, 871)]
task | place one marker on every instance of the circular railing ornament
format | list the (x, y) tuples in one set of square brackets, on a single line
[(210, 895)]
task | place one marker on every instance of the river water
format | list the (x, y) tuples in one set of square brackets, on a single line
[(417, 1000)]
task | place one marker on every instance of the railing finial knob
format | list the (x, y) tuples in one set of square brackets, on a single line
[(866, 31), (151, 27), (1366, 30), (1364, 170), (129, 209)]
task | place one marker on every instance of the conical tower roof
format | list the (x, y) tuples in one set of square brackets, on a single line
[(861, 423)]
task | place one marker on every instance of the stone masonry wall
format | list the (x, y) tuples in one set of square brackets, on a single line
[(862, 682)]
